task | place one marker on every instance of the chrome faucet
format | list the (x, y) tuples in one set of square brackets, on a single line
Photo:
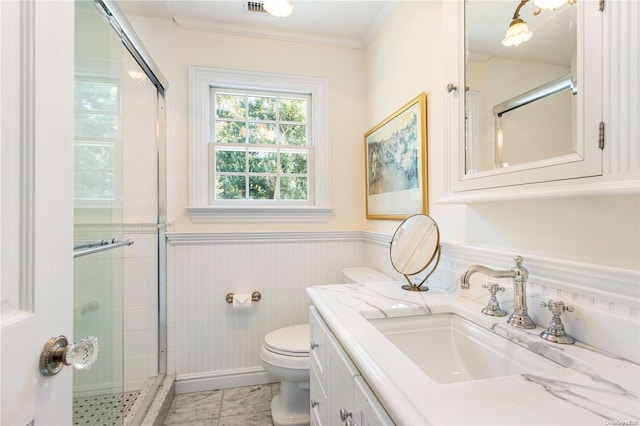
[(519, 318)]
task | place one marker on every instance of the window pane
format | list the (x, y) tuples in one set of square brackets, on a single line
[(262, 187), (93, 185), (93, 157), (262, 133), (294, 188), (262, 162), (231, 106), (96, 96), (293, 162), (230, 187), (293, 134), (262, 108), (230, 161), (293, 110), (96, 125), (230, 132)]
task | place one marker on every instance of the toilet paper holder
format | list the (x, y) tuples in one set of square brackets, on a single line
[(255, 296)]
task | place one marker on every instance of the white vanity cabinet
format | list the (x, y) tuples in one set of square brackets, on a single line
[(339, 395)]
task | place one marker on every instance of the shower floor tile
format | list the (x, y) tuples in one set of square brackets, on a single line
[(249, 406), (105, 410)]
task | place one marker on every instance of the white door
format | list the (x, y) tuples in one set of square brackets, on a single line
[(36, 206)]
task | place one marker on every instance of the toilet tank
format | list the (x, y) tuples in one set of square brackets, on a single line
[(362, 274)]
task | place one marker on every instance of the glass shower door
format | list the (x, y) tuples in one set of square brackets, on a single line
[(116, 196), (98, 393)]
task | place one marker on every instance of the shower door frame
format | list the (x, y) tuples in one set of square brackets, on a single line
[(133, 44)]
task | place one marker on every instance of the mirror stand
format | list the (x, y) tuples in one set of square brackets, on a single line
[(414, 247), (412, 286)]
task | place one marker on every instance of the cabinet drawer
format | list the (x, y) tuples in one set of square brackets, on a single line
[(318, 400), (319, 339)]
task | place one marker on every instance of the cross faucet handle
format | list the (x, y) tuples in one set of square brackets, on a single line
[(493, 307), (555, 332), (556, 307), (493, 288)]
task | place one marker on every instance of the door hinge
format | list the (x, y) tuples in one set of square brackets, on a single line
[(601, 6), (601, 135)]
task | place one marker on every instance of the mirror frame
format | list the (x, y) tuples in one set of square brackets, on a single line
[(503, 182)]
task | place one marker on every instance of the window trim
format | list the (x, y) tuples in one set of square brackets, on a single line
[(200, 81)]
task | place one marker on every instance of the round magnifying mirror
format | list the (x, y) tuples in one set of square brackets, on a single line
[(415, 245)]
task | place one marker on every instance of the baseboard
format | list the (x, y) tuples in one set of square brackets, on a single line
[(212, 380)]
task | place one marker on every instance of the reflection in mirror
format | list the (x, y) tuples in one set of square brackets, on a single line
[(520, 103), (414, 246)]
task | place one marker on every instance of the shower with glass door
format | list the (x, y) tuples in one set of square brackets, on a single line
[(119, 234)]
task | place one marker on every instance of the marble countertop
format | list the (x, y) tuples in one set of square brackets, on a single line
[(589, 387)]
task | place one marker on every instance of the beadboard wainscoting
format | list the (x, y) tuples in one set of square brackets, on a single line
[(211, 346)]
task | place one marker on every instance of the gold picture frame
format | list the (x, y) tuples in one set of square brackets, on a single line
[(395, 156)]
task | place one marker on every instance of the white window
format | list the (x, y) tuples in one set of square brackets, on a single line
[(259, 148)]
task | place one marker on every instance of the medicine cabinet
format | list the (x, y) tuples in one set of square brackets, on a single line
[(527, 114)]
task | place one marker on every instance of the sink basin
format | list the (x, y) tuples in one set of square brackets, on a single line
[(451, 349)]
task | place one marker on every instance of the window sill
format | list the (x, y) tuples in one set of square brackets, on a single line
[(260, 214)]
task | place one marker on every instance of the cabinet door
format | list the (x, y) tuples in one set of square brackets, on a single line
[(367, 409), (341, 372)]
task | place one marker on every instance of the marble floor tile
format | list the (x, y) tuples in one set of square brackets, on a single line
[(249, 405), (197, 407), (251, 419), (246, 400)]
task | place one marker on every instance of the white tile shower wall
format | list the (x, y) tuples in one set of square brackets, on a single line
[(96, 308), (140, 306), (115, 298), (212, 338), (606, 300)]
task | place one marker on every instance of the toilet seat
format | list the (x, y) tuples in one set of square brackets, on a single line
[(290, 341)]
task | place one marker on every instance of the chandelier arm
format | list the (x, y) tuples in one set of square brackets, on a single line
[(516, 14)]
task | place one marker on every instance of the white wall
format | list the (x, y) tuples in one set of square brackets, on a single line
[(404, 59), (343, 67)]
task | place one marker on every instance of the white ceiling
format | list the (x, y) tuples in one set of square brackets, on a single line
[(353, 23), (346, 23)]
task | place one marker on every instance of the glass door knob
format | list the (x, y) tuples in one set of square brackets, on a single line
[(57, 353)]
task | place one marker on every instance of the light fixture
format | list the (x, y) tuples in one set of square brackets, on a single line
[(279, 8), (518, 31)]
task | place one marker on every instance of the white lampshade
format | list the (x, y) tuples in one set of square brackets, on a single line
[(549, 4), (279, 8), (517, 33)]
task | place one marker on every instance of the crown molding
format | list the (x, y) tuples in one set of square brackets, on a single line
[(197, 24)]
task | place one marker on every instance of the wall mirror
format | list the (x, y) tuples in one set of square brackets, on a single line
[(528, 112), (520, 100), (414, 247)]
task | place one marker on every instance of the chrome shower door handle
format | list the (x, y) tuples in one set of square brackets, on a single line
[(57, 353)]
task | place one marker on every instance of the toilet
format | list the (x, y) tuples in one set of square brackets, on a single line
[(285, 356)]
